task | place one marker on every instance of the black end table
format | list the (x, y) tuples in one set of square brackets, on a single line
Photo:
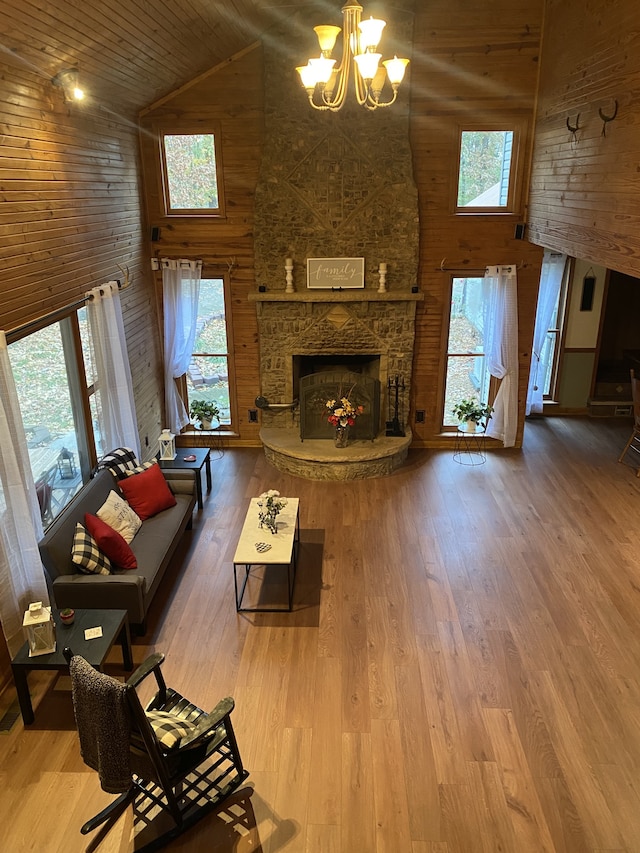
[(202, 459), (115, 626)]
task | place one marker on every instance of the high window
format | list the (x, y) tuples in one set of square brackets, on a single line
[(50, 368), (467, 376), (208, 374), (486, 172), (191, 173)]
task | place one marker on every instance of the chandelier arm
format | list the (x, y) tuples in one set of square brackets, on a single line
[(377, 104)]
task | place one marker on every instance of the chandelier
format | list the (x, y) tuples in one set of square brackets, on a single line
[(326, 85)]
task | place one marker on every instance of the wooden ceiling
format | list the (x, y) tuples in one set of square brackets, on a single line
[(130, 52)]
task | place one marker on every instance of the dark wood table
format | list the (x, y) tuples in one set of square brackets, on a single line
[(202, 459), (115, 626)]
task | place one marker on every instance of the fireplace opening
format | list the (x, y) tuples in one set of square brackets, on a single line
[(329, 377)]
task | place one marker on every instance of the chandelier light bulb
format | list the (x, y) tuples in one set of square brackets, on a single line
[(326, 80), (395, 69), (371, 33)]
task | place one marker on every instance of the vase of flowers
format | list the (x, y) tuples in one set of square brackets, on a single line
[(471, 413), (270, 504), (342, 415)]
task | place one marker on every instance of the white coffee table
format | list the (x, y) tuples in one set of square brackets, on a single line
[(283, 552)]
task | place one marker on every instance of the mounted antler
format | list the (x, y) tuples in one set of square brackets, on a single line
[(125, 274), (575, 129), (606, 119)]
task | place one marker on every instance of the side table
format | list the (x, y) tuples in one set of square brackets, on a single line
[(115, 626), (470, 446), (202, 459)]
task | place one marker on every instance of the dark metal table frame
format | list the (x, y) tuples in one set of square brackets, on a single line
[(203, 459), (115, 626), (292, 566), (470, 446)]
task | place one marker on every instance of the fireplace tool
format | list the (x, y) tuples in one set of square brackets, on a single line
[(396, 406)]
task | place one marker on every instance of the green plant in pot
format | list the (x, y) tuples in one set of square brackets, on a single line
[(204, 411), (471, 413)]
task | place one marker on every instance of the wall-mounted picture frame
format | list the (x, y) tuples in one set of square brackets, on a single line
[(335, 273)]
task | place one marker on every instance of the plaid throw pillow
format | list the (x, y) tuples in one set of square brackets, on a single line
[(119, 461), (169, 729), (139, 468), (86, 554)]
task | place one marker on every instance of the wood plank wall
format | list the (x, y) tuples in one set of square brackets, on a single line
[(70, 216), (230, 95), (585, 185), (472, 62)]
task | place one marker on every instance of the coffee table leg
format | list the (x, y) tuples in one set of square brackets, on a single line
[(199, 488), (24, 697)]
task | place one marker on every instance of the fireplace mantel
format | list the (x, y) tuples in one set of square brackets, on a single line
[(336, 296)]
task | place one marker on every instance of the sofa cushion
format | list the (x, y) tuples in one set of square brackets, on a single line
[(110, 542), (148, 493), (117, 513), (86, 554)]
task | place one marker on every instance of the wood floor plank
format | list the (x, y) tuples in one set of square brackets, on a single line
[(460, 674)]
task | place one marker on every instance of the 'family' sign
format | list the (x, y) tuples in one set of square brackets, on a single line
[(335, 273)]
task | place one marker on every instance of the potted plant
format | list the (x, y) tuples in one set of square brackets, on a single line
[(204, 411), (471, 412), (67, 615)]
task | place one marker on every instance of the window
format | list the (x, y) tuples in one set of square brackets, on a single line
[(49, 372), (191, 173), (486, 172), (550, 356), (208, 374), (467, 376)]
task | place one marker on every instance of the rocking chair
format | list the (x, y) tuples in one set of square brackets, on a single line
[(172, 760)]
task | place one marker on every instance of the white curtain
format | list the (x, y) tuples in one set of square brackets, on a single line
[(180, 292), (500, 309), (553, 266), (117, 420), (22, 577)]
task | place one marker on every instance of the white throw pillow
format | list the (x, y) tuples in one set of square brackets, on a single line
[(117, 513)]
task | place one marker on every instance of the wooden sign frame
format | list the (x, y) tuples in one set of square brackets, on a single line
[(335, 273)]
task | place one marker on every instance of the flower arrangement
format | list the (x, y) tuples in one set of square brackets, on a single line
[(342, 412), (270, 504)]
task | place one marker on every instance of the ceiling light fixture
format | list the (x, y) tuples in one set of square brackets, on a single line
[(68, 82), (326, 86)]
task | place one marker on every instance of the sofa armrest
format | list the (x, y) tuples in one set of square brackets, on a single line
[(181, 482), (120, 592)]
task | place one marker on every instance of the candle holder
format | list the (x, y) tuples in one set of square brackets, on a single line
[(382, 271), (288, 266)]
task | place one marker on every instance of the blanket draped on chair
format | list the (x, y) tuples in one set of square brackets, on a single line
[(102, 716)]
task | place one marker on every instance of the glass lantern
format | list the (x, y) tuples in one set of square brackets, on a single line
[(40, 629), (167, 442)]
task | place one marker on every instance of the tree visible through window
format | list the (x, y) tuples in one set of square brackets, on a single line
[(467, 375), (485, 168), (208, 374), (191, 176)]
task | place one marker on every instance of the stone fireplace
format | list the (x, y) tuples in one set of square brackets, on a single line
[(333, 185)]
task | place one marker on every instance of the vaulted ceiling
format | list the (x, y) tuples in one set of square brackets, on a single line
[(130, 52)]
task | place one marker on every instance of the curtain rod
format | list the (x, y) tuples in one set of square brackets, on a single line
[(47, 319)]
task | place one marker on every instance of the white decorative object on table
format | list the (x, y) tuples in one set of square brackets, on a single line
[(167, 442), (288, 265), (382, 270), (40, 629)]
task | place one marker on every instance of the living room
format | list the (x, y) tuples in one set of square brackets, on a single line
[(81, 204)]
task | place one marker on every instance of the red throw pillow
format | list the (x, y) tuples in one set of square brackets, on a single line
[(147, 493), (110, 542)]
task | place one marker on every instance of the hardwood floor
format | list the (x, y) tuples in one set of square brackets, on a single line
[(461, 673)]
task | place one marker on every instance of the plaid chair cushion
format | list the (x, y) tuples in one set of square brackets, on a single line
[(119, 461), (86, 554), (169, 729)]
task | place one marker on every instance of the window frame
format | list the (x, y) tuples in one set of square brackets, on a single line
[(514, 193), (209, 272), (190, 129), (451, 429)]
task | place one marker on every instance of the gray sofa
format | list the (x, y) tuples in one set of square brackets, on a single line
[(153, 545)]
